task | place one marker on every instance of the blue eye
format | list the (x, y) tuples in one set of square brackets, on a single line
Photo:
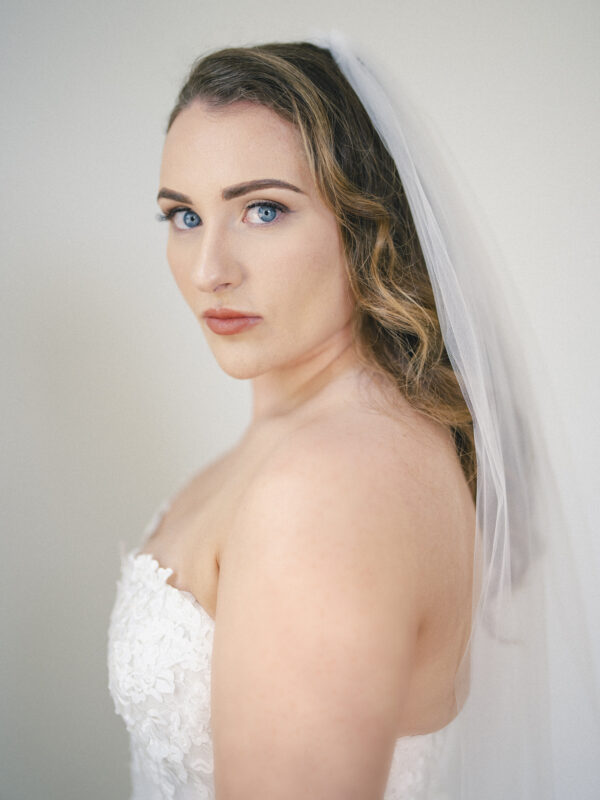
[(187, 218), (183, 218), (266, 212)]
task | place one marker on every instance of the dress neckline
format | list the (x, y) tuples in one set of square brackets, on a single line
[(149, 561), (152, 563)]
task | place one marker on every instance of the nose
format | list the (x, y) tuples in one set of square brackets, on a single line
[(214, 266)]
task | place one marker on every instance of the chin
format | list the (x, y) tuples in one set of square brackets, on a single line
[(240, 369), (248, 368), (240, 373)]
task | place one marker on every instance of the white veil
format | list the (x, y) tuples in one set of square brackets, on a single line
[(527, 690)]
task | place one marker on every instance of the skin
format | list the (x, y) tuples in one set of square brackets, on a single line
[(320, 574)]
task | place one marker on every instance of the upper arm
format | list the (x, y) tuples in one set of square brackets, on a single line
[(314, 640)]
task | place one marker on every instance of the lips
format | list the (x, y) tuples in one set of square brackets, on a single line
[(226, 321)]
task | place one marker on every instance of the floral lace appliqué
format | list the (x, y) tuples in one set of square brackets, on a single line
[(159, 658)]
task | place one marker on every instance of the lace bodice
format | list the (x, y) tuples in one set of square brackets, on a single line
[(159, 665)]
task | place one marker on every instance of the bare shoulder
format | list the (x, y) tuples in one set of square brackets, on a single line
[(318, 612), (388, 474), (304, 611)]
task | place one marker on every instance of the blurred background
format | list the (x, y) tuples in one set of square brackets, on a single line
[(110, 396)]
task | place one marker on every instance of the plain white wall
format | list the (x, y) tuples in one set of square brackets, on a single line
[(110, 396)]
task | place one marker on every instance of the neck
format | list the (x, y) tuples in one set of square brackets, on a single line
[(282, 391)]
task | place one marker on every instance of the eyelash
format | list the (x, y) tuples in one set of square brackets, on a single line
[(268, 203)]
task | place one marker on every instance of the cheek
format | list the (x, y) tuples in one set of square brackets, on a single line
[(307, 280), (321, 273)]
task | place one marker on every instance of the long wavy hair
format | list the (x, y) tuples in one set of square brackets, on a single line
[(395, 322)]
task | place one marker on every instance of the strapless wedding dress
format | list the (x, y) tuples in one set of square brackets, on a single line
[(159, 661)]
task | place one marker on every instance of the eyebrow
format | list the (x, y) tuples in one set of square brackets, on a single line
[(233, 191)]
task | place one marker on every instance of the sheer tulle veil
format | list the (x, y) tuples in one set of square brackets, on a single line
[(529, 721)]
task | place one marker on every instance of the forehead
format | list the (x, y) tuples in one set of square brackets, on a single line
[(213, 148)]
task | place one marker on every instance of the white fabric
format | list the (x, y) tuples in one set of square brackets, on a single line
[(159, 665), (530, 663)]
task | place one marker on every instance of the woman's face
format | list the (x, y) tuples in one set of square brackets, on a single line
[(270, 251)]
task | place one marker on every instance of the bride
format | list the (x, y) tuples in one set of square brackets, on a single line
[(299, 620)]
